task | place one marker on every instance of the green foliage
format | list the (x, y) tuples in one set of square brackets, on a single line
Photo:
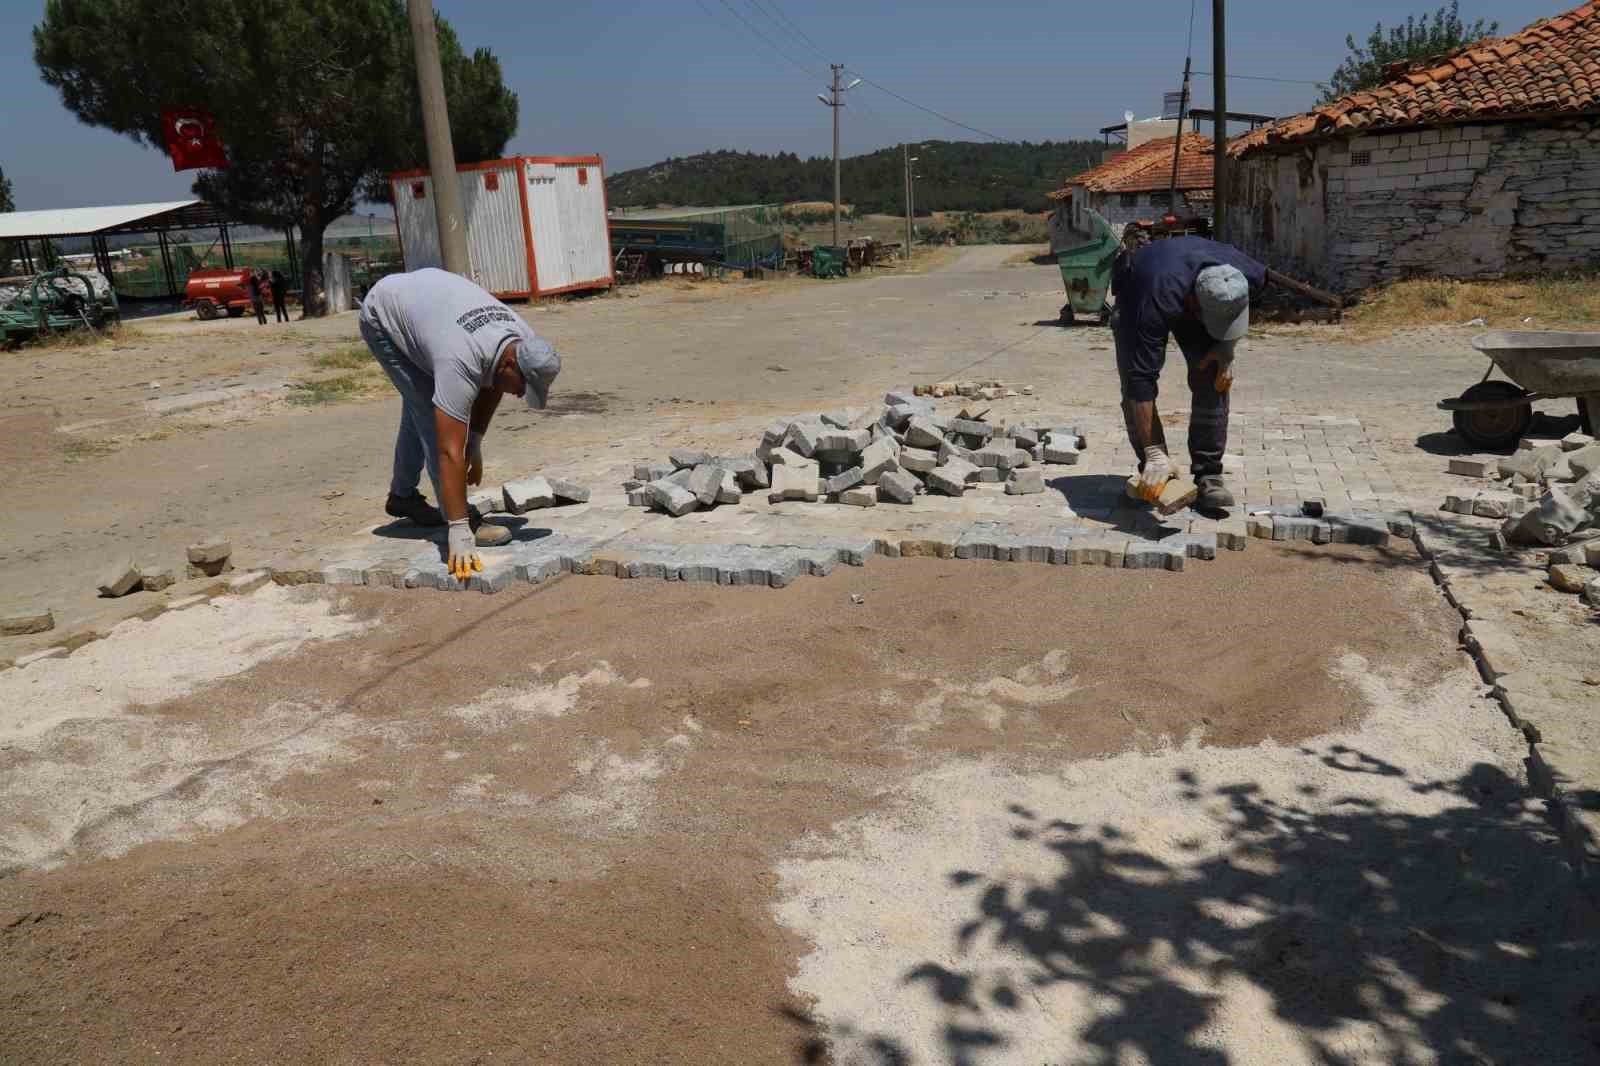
[(314, 99), (1417, 38), (953, 176), (8, 250)]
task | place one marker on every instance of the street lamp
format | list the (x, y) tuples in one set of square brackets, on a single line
[(833, 100)]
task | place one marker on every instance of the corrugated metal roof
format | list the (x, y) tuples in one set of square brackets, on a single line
[(80, 221), (657, 214)]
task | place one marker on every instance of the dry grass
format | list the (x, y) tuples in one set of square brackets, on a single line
[(349, 357), (1554, 301), (86, 448), (72, 339), (331, 390)]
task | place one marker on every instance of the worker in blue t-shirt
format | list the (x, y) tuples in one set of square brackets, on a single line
[(1197, 291)]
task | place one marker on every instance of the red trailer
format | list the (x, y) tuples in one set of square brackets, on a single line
[(221, 291)]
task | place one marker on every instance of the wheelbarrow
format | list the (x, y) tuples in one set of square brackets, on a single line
[(1086, 273), (1494, 415)]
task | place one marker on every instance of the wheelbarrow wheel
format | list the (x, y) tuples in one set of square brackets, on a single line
[(1496, 427), (205, 310), (1067, 317), (1105, 314)]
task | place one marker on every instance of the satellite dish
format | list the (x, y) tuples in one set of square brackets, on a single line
[(1127, 116)]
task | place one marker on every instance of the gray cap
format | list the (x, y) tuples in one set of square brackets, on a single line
[(1224, 298), (539, 364)]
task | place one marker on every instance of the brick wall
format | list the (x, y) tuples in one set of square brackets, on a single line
[(1457, 201)]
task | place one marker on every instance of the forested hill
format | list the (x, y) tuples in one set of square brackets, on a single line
[(954, 176)]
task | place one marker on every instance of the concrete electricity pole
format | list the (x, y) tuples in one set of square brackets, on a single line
[(836, 101), (441, 152), (1219, 124), (905, 157)]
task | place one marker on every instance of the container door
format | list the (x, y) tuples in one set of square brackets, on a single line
[(496, 243), (580, 190), (414, 219), (544, 207)]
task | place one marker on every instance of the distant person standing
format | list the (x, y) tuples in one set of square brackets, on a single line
[(257, 304), (280, 293)]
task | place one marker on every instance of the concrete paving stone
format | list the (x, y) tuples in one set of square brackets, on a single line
[(652, 471), (247, 581), (1357, 528), (486, 502), (987, 475), (568, 491), (1001, 457), (842, 418), (1565, 577), (847, 479), (640, 497), (1291, 527), (209, 551), (918, 460), (898, 416), (1025, 482), (681, 477), (1097, 550), (898, 486), (789, 457), (1486, 468), (879, 458), (923, 432), (793, 483), (1313, 506), (859, 497), (1568, 553), (706, 483), (1233, 534), (1024, 437), (118, 577), (27, 623), (967, 427), (773, 434), (154, 580), (1192, 544), (672, 498), (1576, 441), (1591, 591), (948, 450), (687, 457), (1060, 456), (1149, 555), (528, 494), (348, 572), (927, 548), (901, 394), (1497, 650), (729, 492), (950, 479), (842, 442), (1584, 462), (493, 579), (802, 437), (1528, 490)]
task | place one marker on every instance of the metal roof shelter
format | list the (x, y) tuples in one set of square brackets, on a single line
[(1195, 116), (99, 223)]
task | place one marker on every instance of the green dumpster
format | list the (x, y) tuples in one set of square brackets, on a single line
[(1086, 272), (829, 261)]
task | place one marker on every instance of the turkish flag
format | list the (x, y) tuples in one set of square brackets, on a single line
[(192, 139)]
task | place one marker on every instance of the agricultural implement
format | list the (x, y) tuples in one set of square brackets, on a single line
[(54, 302), (1542, 365)]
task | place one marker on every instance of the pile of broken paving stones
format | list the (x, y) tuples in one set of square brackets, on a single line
[(1548, 495), (862, 457)]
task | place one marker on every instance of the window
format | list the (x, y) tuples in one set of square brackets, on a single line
[(583, 175), (491, 181), (1160, 199), (1130, 199), (1361, 159), (418, 190)]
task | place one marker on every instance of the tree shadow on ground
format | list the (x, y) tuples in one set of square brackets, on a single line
[(1378, 934)]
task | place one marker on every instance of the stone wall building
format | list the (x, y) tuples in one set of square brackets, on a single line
[(1135, 186), (1480, 163)]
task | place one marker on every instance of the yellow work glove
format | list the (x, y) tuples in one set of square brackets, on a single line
[(1156, 473), (1224, 364), (463, 560), (474, 458)]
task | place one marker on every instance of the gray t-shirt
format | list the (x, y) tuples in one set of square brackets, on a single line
[(451, 328)]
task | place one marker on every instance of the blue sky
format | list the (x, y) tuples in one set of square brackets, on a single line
[(638, 80)]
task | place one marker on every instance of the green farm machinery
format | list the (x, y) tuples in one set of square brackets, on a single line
[(55, 301)]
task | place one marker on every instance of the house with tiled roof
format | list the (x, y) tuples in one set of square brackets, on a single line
[(1478, 163), (1135, 186)]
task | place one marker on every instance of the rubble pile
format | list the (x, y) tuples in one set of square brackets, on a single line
[(1548, 494), (864, 456)]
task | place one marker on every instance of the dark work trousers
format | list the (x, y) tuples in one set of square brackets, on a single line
[(260, 309), (1208, 415), (277, 306)]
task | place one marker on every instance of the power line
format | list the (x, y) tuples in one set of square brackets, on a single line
[(929, 110), (1258, 77), (769, 41), (789, 23)]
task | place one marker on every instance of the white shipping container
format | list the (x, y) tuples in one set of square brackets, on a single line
[(536, 225)]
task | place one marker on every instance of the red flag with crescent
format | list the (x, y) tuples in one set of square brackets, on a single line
[(192, 139)]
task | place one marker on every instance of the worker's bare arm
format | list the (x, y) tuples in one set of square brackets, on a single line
[(452, 437), (483, 409)]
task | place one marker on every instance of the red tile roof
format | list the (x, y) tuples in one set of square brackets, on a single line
[(1550, 68), (1148, 168)]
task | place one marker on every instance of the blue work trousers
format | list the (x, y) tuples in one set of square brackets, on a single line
[(417, 443)]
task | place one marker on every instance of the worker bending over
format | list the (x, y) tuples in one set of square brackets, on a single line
[(1199, 292), (452, 350)]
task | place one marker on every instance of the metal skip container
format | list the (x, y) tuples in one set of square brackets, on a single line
[(536, 225)]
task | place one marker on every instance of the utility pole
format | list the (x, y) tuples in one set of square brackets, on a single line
[(836, 101), (441, 152), (1219, 124), (1177, 141), (905, 155)]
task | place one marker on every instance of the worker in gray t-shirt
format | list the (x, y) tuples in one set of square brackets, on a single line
[(452, 350)]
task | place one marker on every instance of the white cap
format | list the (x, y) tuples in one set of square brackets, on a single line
[(1224, 298)]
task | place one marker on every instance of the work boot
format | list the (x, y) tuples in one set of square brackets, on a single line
[(1214, 495), (415, 507), (487, 534)]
